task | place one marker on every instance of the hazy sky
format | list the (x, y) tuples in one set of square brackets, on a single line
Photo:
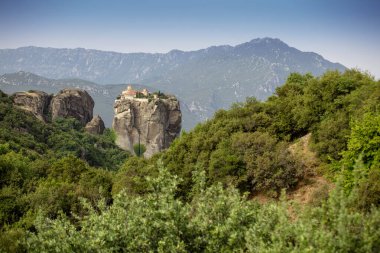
[(344, 31)]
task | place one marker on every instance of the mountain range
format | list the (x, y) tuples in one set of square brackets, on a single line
[(204, 80)]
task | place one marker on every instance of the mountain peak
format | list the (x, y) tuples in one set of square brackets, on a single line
[(176, 52), (266, 40)]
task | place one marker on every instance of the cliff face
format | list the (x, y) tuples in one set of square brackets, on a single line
[(155, 121), (74, 103), (95, 126), (37, 102)]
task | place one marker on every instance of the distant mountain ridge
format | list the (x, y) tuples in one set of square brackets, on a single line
[(27, 78), (204, 80)]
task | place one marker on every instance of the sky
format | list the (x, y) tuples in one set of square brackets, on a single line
[(344, 31)]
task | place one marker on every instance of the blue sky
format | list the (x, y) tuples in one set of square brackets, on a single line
[(344, 31)]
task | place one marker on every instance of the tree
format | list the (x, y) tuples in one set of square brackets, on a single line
[(139, 149)]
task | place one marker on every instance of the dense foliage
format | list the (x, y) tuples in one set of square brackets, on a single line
[(197, 195), (247, 146), (216, 220), (50, 166)]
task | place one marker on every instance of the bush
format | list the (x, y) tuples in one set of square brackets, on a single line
[(139, 149), (270, 165)]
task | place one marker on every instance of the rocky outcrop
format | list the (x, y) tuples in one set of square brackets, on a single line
[(154, 122), (74, 103), (36, 102), (95, 126)]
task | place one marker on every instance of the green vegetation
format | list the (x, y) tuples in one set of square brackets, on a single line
[(139, 149), (160, 94), (58, 193), (150, 96), (247, 146), (49, 166), (217, 219), (23, 133)]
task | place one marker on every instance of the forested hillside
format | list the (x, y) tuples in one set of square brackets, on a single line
[(49, 166), (69, 193), (248, 145)]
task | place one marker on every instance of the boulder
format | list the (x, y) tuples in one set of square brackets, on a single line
[(74, 103), (95, 126), (36, 102)]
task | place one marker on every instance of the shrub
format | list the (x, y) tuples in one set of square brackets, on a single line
[(139, 149)]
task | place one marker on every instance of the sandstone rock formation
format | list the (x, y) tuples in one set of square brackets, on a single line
[(95, 126), (37, 102), (74, 103), (153, 121)]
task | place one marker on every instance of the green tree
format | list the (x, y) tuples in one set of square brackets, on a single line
[(139, 149)]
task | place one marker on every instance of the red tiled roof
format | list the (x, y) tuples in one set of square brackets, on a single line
[(131, 92)]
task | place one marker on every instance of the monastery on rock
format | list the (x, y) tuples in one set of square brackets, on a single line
[(131, 93)]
